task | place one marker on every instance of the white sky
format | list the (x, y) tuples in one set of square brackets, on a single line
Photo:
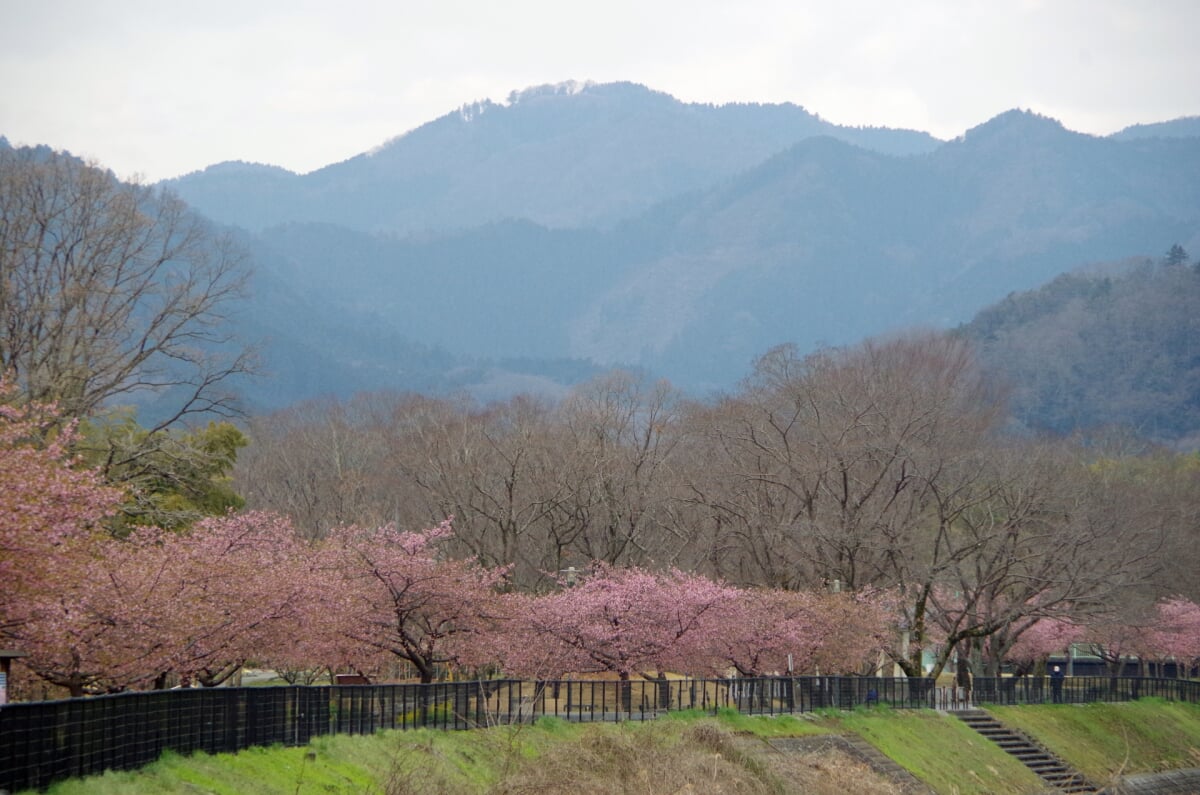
[(158, 88)]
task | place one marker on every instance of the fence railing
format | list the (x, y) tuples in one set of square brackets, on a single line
[(1081, 689), (42, 742)]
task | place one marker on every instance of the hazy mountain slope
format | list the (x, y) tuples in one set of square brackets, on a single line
[(316, 338), (1186, 127), (1094, 348), (561, 156), (824, 243), (307, 351), (816, 242), (238, 193), (828, 243), (503, 290)]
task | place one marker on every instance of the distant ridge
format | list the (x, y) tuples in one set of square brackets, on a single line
[(564, 155), (1186, 127), (586, 226)]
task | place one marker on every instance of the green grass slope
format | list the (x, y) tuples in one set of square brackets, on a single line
[(685, 753), (1108, 740)]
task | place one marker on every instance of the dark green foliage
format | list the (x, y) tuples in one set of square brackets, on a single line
[(1176, 256), (172, 477)]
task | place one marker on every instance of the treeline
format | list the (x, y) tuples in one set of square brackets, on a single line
[(883, 466), (97, 612)]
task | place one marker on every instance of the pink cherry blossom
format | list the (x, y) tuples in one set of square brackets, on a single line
[(621, 620)]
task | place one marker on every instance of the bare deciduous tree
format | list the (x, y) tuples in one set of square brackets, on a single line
[(110, 290), (623, 434), (1053, 538), (835, 460), (317, 463)]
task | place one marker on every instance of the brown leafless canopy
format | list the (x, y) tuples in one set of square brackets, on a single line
[(111, 290)]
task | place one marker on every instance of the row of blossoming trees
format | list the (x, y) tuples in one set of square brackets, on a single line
[(98, 613)]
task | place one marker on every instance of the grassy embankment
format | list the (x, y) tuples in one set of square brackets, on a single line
[(1107, 740), (686, 753)]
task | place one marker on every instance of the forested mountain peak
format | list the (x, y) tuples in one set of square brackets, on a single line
[(623, 90), (1022, 135), (563, 155), (1017, 123), (241, 168)]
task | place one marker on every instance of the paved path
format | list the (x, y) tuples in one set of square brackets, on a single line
[(1172, 782)]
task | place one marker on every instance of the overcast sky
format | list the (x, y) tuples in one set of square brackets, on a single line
[(158, 88)]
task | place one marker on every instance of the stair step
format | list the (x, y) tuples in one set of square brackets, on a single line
[(1045, 765)]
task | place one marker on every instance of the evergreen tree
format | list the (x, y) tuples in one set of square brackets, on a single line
[(1176, 255)]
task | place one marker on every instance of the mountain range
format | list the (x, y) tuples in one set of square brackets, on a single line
[(525, 245), (612, 225), (563, 156)]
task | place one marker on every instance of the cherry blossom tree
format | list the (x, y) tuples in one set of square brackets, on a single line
[(392, 594), (95, 630), (864, 623), (236, 586), (124, 613), (770, 631), (46, 502), (621, 620), (764, 627), (51, 511), (1176, 633), (1119, 636), (1041, 638)]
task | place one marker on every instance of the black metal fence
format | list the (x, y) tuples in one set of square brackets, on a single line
[(42, 742), (1081, 690)]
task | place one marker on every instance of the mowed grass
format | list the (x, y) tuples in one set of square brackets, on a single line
[(1107, 740), (691, 752), (942, 751)]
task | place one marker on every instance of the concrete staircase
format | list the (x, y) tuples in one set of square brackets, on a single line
[(1050, 768)]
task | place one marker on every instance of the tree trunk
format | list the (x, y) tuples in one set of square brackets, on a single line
[(625, 691)]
